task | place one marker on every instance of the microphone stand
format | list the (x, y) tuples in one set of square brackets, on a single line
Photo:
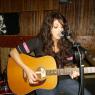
[(81, 68), (79, 49)]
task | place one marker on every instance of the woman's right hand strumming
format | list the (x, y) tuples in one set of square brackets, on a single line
[(31, 76), (28, 72)]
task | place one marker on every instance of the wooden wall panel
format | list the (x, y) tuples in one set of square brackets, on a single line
[(81, 16), (79, 13), (27, 5), (4, 56), (30, 23), (10, 6), (36, 5), (87, 42)]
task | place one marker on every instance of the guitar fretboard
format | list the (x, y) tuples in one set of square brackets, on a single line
[(67, 71)]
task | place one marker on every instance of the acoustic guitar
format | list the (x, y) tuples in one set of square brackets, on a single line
[(46, 69)]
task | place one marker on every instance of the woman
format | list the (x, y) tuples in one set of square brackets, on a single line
[(50, 42)]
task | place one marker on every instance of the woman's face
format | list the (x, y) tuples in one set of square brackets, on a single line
[(56, 29)]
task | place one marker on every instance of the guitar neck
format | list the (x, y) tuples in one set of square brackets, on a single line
[(68, 71)]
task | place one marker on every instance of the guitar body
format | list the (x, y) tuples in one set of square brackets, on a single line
[(17, 82)]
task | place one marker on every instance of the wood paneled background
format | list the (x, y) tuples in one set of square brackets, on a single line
[(79, 13)]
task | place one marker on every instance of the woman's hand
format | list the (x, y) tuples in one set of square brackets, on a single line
[(74, 74), (31, 76)]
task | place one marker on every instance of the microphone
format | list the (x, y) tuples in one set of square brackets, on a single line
[(65, 33), (67, 36)]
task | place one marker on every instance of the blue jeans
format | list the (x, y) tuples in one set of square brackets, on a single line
[(64, 87)]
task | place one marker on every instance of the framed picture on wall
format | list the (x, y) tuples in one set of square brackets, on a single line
[(9, 23)]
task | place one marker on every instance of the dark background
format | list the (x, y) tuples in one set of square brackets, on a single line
[(11, 20)]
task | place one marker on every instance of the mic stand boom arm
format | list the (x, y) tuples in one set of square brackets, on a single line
[(79, 53), (79, 49), (81, 69)]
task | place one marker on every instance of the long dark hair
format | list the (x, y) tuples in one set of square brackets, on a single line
[(46, 36)]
